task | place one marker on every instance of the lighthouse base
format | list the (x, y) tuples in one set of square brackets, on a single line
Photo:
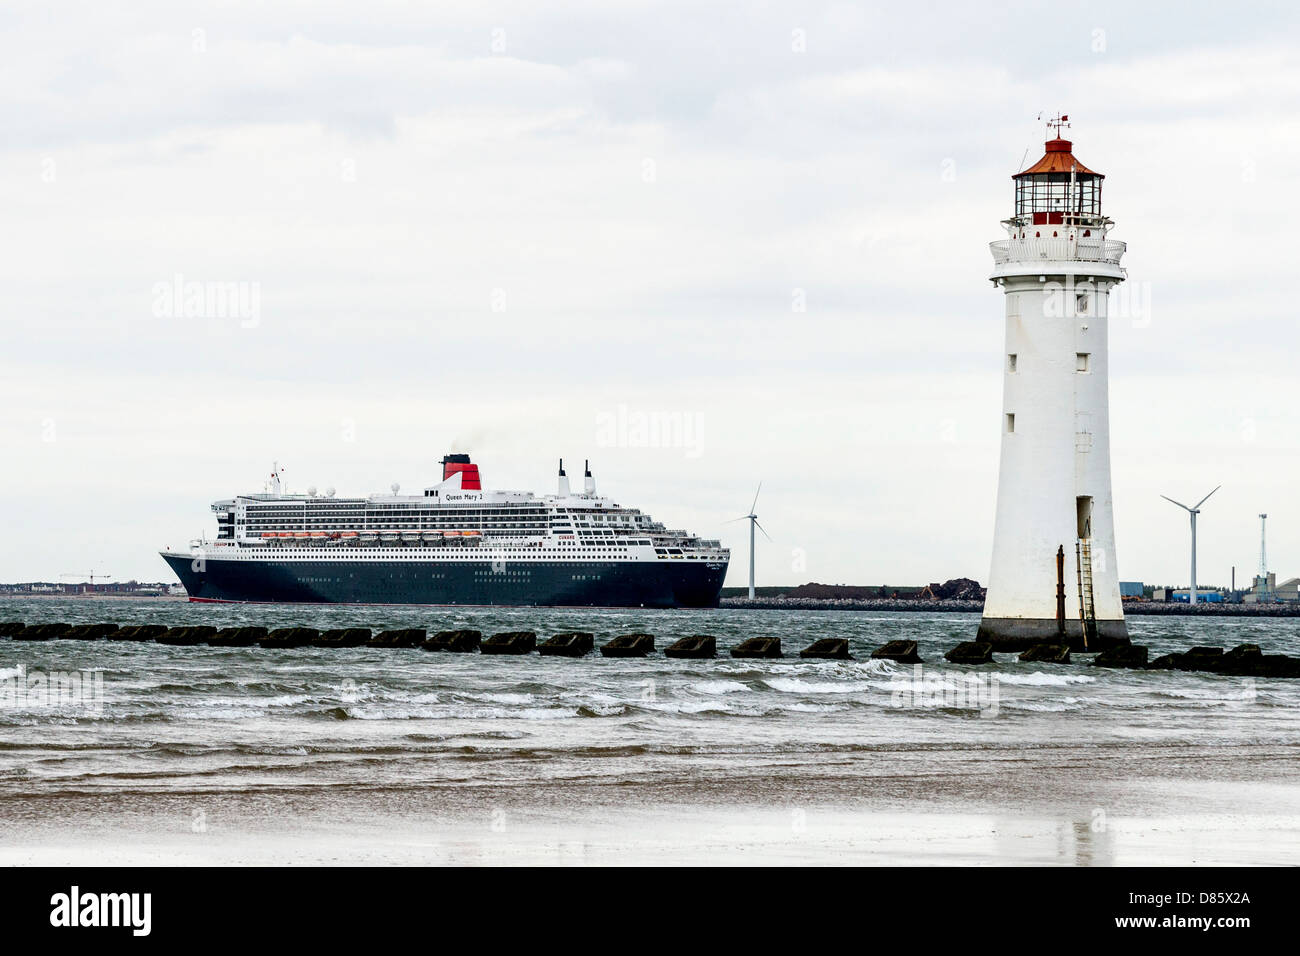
[(1019, 633)]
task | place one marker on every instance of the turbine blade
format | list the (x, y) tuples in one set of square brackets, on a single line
[(755, 504), (734, 520), (1207, 497), (762, 529), (1179, 503)]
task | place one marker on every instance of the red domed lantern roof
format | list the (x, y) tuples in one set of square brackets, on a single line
[(1059, 159)]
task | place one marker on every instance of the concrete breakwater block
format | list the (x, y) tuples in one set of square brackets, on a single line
[(186, 636), (237, 637), (1244, 656), (43, 632), (137, 632), (1278, 665), (1200, 659), (510, 642), (971, 652), (573, 644), (696, 647), (758, 647), (1127, 655), (343, 637), (89, 632), (454, 642), (828, 649), (1247, 660), (629, 645), (10, 628), (904, 652), (290, 637), (1244, 660), (400, 637), (1047, 654)]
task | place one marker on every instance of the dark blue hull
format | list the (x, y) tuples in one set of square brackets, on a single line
[(660, 584)]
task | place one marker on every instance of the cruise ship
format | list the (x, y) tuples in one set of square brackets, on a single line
[(454, 544)]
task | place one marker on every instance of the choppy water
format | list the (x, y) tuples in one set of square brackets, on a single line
[(197, 719)]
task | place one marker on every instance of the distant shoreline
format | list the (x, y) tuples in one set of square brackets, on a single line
[(1171, 608)]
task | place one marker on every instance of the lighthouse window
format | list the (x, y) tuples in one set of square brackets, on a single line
[(1081, 303), (1011, 422), (1011, 362), (1081, 361)]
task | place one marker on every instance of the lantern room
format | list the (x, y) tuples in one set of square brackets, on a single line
[(1058, 190)]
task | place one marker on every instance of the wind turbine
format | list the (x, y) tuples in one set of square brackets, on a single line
[(1193, 511), (752, 517)]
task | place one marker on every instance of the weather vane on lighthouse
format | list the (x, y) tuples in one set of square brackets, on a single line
[(1057, 123), (1054, 576)]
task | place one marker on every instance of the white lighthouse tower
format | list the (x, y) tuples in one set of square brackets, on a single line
[(1054, 572)]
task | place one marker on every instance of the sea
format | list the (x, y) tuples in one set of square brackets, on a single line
[(100, 740)]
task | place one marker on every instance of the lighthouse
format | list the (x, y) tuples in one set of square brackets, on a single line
[(1054, 574)]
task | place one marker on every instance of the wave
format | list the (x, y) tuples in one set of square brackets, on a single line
[(503, 698), (813, 708), (444, 712), (602, 710), (792, 685), (1040, 679), (683, 706), (718, 686)]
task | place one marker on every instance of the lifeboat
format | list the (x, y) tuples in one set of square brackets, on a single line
[(300, 535), (348, 535), (432, 536), (319, 535), (451, 534), (471, 534)]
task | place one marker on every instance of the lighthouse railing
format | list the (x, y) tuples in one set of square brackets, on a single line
[(1067, 250)]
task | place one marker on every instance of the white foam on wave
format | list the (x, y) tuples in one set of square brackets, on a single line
[(792, 685), (504, 698), (718, 687), (7, 672), (1040, 679), (373, 712)]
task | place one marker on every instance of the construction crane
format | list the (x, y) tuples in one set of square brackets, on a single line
[(92, 575)]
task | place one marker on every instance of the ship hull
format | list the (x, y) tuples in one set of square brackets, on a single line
[(659, 584)]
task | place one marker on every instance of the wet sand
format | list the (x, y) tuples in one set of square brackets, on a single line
[(1048, 810)]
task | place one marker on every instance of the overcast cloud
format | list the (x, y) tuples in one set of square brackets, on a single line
[(489, 228)]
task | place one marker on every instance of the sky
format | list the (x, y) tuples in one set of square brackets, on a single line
[(702, 244)]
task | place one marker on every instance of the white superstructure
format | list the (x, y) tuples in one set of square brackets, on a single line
[(454, 520)]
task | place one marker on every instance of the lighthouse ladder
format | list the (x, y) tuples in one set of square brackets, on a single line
[(1087, 607)]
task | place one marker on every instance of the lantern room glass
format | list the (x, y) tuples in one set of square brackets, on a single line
[(1055, 193)]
